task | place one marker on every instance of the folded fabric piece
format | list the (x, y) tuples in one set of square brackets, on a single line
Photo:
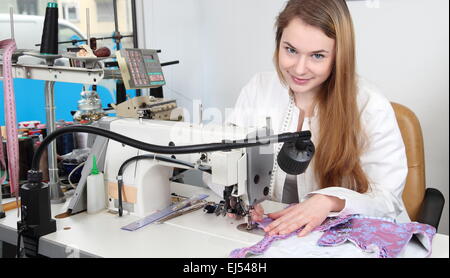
[(380, 235)]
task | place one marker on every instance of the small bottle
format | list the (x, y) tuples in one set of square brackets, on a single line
[(96, 193)]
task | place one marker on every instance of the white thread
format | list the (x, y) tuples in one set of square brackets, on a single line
[(73, 171)]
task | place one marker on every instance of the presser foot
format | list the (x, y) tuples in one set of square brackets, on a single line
[(250, 227), (244, 227)]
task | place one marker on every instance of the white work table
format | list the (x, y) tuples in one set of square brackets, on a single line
[(194, 235)]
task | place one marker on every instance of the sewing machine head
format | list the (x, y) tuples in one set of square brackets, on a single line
[(241, 176)]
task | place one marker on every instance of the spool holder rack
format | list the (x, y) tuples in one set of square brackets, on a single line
[(52, 74)]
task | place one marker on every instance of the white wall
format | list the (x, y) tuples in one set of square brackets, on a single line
[(218, 46), (174, 26), (402, 46)]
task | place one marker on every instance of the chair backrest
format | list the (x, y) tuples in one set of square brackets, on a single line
[(415, 186)]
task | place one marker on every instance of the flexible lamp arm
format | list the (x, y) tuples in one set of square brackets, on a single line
[(225, 145)]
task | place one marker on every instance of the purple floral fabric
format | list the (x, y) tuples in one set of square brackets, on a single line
[(385, 237), (380, 235), (266, 242)]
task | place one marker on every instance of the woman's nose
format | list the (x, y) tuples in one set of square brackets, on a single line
[(300, 67)]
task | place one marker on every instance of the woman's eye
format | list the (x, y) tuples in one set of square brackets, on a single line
[(291, 50), (318, 56)]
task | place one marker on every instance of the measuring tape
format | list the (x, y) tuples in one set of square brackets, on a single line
[(12, 140)]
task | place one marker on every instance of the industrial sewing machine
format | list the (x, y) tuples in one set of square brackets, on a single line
[(147, 182), (241, 176)]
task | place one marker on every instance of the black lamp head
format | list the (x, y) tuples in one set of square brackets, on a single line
[(294, 157)]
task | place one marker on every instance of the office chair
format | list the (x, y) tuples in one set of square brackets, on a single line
[(423, 204)]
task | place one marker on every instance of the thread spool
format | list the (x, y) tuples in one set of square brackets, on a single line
[(29, 124), (81, 140), (49, 41), (36, 135), (43, 129), (26, 152), (43, 164), (93, 43), (64, 144)]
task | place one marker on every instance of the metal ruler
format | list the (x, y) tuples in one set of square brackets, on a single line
[(160, 214), (12, 144)]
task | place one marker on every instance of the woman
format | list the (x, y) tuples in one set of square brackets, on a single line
[(360, 161)]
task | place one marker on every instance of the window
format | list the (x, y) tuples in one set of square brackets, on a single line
[(67, 33), (70, 12), (29, 7), (105, 10)]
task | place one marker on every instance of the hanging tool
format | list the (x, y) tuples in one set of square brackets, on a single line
[(188, 202), (193, 207), (158, 215)]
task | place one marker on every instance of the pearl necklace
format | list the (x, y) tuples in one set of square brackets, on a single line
[(284, 128)]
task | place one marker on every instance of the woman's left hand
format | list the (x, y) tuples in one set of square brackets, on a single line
[(308, 214)]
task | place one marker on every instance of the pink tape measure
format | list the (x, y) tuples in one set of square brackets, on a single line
[(12, 144)]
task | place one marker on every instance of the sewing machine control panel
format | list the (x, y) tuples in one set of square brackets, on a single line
[(140, 68)]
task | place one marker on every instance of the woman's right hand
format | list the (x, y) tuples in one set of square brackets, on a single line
[(257, 213)]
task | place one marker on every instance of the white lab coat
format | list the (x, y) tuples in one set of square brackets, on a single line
[(384, 161)]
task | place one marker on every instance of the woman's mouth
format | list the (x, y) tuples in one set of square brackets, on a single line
[(300, 81)]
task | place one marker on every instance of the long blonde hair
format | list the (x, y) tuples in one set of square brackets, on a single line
[(340, 136)]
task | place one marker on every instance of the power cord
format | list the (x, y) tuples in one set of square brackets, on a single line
[(152, 157), (73, 171)]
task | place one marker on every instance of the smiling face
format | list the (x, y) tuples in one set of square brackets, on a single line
[(305, 57)]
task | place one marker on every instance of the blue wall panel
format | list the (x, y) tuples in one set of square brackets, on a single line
[(30, 101)]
